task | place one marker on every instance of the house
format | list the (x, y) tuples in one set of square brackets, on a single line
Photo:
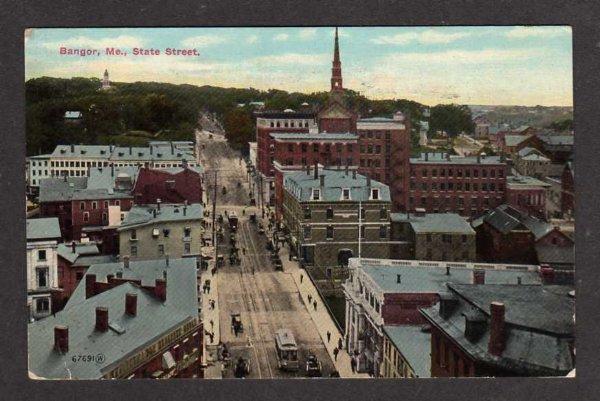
[(156, 231), (531, 162), (502, 330), (433, 236), (528, 195), (43, 236), (170, 185), (135, 319), (383, 292)]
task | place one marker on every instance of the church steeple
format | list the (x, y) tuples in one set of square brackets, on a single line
[(336, 70)]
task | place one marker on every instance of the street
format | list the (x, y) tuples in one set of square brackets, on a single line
[(267, 299)]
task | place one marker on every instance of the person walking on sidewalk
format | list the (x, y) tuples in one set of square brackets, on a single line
[(353, 364), (328, 336), (309, 298), (212, 304), (335, 354), (340, 343), (301, 277), (315, 304)]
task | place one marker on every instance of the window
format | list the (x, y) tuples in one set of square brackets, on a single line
[(42, 277), (187, 248), (475, 173), (81, 205), (447, 238), (329, 213), (187, 232), (375, 193), (104, 217), (290, 147), (329, 234), (42, 255), (166, 232), (42, 305), (501, 173), (346, 194), (117, 202), (463, 238), (133, 250), (86, 216), (383, 214), (350, 148), (161, 250), (327, 148), (424, 173), (307, 213), (94, 205), (363, 232), (363, 213), (105, 204), (133, 234), (338, 147), (307, 232), (484, 173), (383, 232), (428, 237)]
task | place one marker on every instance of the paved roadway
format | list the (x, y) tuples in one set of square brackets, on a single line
[(267, 299)]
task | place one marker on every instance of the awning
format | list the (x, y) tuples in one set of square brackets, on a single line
[(168, 362)]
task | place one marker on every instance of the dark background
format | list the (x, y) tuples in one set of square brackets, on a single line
[(583, 15)]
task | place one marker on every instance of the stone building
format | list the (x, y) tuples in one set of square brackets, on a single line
[(433, 236), (321, 214), (157, 231), (531, 162)]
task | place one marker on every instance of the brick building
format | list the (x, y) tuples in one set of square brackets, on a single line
[(527, 194), (321, 214), (502, 330), (404, 352), (136, 319), (170, 185), (87, 202), (390, 292), (433, 236), (464, 185)]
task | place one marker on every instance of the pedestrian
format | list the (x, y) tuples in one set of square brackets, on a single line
[(204, 289), (244, 250), (212, 336), (353, 364), (315, 305), (335, 354), (301, 278), (208, 289), (328, 336), (309, 298), (340, 343), (212, 304)]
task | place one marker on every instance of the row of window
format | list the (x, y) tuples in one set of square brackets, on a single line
[(315, 147), (375, 134), (463, 257), (36, 172), (330, 232), (187, 233), (447, 238), (458, 186), (368, 295), (316, 194), (383, 212), (42, 163), (133, 249), (94, 204), (289, 124), (448, 201), (304, 162), (87, 163), (468, 172)]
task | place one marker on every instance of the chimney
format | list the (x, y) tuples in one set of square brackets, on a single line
[(447, 304), (109, 278), (368, 181), (478, 158), (497, 339), (519, 280), (447, 270), (346, 170), (101, 319), (112, 170), (398, 278), (184, 164), (184, 209), (90, 285), (478, 276), (308, 169), (316, 171), (426, 156), (126, 262), (547, 274), (158, 204), (119, 274), (322, 180), (72, 148), (61, 338), (160, 289), (167, 260), (154, 213), (73, 247), (151, 149), (354, 174), (131, 304), (130, 150)]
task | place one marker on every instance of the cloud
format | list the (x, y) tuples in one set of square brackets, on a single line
[(307, 33), (252, 39), (290, 59), (521, 32), (203, 41), (122, 41), (282, 37), (464, 56), (429, 36)]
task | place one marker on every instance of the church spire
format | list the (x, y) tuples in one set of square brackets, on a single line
[(336, 70)]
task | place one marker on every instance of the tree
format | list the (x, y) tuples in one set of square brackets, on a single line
[(451, 118), (239, 128)]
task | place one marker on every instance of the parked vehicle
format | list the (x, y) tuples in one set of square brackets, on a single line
[(236, 323), (313, 366)]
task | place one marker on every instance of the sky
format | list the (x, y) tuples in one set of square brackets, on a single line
[(511, 65)]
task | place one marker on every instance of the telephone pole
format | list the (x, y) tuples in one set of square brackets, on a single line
[(214, 216)]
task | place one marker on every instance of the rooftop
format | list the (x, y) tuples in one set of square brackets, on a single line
[(443, 158), (300, 184), (126, 334), (506, 218), (321, 136), (433, 279), (58, 189), (514, 181), (155, 152), (514, 140), (65, 250), (568, 140), (414, 344), (43, 229), (142, 215), (281, 114), (435, 223)]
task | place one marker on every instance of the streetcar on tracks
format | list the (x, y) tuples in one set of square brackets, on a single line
[(287, 350), (233, 221)]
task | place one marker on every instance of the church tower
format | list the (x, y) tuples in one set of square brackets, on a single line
[(105, 81), (336, 70)]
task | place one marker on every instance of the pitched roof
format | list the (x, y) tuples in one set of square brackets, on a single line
[(88, 151), (555, 255), (539, 326), (414, 344), (514, 140), (300, 185), (43, 229), (435, 223), (505, 218), (65, 250), (142, 215)]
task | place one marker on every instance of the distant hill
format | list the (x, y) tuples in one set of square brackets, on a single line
[(536, 116)]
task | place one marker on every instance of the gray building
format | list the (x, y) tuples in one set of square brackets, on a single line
[(321, 213), (432, 236), (153, 231)]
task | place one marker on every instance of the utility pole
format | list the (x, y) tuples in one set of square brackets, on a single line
[(214, 217), (359, 228)]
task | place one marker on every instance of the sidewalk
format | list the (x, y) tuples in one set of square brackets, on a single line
[(323, 321), (213, 366)]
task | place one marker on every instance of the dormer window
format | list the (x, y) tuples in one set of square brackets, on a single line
[(375, 193), (346, 194), (316, 194)]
